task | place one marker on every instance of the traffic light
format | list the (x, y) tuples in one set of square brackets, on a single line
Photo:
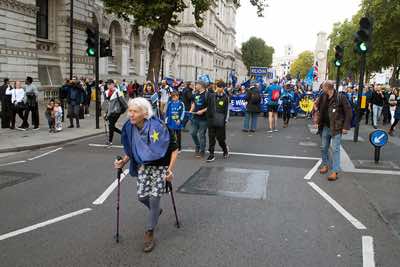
[(338, 56), (91, 43), (363, 36), (105, 48)]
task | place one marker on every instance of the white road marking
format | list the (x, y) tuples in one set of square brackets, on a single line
[(260, 155), (368, 251), (100, 200), (368, 171), (43, 224), (357, 224), (345, 161), (45, 154), (102, 145), (313, 170), (13, 163)]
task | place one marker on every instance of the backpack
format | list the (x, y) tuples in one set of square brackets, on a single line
[(275, 95), (254, 98)]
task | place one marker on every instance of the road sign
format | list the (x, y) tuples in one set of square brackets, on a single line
[(378, 139)]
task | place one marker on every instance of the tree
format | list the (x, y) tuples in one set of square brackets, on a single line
[(255, 52), (302, 64), (158, 15)]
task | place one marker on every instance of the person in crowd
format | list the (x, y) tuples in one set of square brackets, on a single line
[(131, 90), (199, 118), (187, 94), (274, 94), (32, 106), (6, 104), (392, 103), (386, 106), (112, 93), (368, 106), (49, 114), (165, 91), (89, 86), (377, 101), (63, 95), (335, 120), (81, 86), (152, 162), (253, 100), (58, 114), (18, 104), (175, 115), (75, 100), (148, 92), (396, 114), (217, 117), (287, 99)]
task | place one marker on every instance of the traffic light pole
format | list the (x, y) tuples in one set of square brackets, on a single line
[(97, 77), (360, 93), (337, 78)]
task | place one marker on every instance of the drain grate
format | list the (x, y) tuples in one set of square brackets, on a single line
[(231, 182), (10, 178)]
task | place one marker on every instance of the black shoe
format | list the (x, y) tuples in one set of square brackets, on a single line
[(211, 158), (71, 126), (78, 126), (226, 155), (245, 130), (375, 127), (252, 131), (36, 128)]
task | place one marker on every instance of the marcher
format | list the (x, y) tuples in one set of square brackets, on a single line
[(6, 105), (148, 93), (31, 101), (18, 105), (396, 114), (187, 94), (75, 101), (165, 91), (377, 102), (152, 151), (287, 99), (58, 115), (393, 103), (253, 100), (199, 119), (112, 93), (335, 120), (174, 116), (217, 117), (63, 95), (49, 114), (274, 94)]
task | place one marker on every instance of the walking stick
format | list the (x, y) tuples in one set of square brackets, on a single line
[(105, 127), (119, 172), (171, 191)]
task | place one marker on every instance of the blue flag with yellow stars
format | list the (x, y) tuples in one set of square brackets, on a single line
[(147, 144)]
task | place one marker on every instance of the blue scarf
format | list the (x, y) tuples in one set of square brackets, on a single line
[(144, 145)]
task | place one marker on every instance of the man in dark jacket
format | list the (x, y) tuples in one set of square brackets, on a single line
[(6, 105), (75, 100), (253, 99), (63, 95), (217, 117), (336, 115), (32, 106), (187, 94)]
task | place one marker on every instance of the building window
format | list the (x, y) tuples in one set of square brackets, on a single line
[(42, 19)]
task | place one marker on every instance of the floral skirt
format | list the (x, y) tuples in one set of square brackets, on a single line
[(151, 181)]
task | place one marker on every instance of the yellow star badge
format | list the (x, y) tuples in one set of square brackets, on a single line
[(155, 136)]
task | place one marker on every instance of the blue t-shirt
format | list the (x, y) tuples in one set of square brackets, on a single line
[(274, 91), (175, 114)]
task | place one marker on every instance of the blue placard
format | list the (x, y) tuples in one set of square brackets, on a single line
[(238, 103), (258, 70), (378, 138), (154, 98)]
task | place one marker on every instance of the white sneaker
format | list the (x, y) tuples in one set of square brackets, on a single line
[(270, 131), (275, 130)]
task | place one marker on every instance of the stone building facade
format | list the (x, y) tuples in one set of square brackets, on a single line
[(34, 41)]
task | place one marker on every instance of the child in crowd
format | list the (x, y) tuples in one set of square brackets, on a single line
[(57, 114), (50, 115), (174, 116)]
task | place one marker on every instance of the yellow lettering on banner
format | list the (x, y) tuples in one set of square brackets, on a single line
[(363, 101)]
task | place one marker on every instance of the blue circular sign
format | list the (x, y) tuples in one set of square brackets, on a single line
[(378, 138)]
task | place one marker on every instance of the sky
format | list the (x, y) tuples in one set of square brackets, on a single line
[(294, 22)]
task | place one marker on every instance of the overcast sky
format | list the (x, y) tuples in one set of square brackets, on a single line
[(294, 22)]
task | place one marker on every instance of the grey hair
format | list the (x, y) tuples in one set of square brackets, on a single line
[(143, 104)]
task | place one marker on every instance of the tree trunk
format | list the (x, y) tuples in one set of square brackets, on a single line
[(155, 52), (396, 70)]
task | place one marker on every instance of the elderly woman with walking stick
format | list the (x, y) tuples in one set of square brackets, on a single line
[(152, 151)]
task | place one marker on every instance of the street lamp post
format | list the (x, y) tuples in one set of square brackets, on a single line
[(71, 36)]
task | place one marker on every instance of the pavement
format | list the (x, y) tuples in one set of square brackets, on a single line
[(57, 206), (17, 140)]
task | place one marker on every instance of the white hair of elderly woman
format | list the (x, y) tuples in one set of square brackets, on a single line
[(142, 104)]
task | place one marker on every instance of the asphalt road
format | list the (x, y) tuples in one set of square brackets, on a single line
[(288, 221)]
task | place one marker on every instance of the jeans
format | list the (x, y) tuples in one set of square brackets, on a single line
[(199, 129), (326, 141), (377, 110), (250, 118)]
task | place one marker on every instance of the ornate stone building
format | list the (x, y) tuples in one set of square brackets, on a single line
[(35, 41), (321, 55)]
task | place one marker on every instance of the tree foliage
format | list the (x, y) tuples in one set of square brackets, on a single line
[(255, 52), (384, 49), (302, 64), (158, 15)]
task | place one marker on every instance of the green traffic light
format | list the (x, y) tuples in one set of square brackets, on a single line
[(338, 63), (363, 47), (91, 51)]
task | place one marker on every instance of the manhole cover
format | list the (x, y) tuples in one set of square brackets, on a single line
[(10, 178), (232, 182)]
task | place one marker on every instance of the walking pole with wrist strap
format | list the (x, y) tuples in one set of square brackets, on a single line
[(119, 172), (171, 191)]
